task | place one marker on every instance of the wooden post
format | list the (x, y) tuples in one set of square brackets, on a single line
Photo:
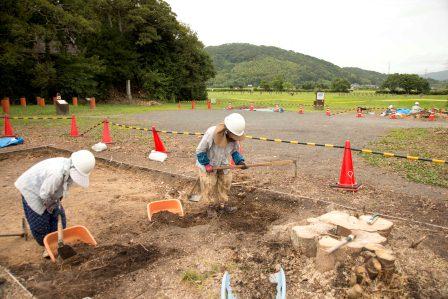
[(23, 102), (92, 103), (5, 105), (128, 89)]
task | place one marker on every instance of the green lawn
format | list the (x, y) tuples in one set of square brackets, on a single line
[(336, 101), (426, 143), (100, 110)]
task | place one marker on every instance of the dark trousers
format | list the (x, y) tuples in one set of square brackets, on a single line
[(42, 225)]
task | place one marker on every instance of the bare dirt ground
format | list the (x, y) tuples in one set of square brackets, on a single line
[(143, 259), (113, 209)]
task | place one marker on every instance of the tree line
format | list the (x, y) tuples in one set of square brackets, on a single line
[(91, 47)]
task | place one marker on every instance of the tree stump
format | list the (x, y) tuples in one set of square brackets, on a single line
[(305, 237)]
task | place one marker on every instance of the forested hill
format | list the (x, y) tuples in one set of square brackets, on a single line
[(241, 64)]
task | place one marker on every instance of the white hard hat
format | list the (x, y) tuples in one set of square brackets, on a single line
[(83, 162), (235, 123), (417, 103)]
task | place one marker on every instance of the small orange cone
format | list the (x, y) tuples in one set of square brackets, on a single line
[(432, 116), (158, 144), (106, 132), (327, 112), (251, 107), (209, 105), (178, 105), (74, 128), (359, 113), (75, 101), (8, 132), (347, 179), (301, 109), (193, 104)]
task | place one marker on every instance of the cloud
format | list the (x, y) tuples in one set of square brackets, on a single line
[(411, 35)]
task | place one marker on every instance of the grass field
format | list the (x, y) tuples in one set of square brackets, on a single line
[(418, 141), (336, 101), (100, 110)]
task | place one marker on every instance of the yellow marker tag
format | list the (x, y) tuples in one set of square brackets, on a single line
[(174, 132), (366, 151), (294, 142), (163, 131), (186, 133), (438, 161), (412, 157), (329, 145), (310, 143), (263, 138), (277, 140), (145, 129), (249, 136), (197, 133), (388, 154)]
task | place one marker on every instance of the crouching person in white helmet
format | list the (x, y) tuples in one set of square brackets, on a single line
[(217, 145), (45, 184)]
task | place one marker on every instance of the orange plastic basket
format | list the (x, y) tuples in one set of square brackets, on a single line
[(72, 235), (170, 205)]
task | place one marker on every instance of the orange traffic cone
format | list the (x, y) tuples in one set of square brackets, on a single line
[(158, 144), (209, 105), (432, 116), (106, 132), (251, 107), (75, 101), (301, 109), (327, 112), (193, 104), (359, 113), (347, 179), (74, 128), (8, 132)]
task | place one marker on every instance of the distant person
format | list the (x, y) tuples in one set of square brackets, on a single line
[(389, 110), (45, 184), (218, 143), (416, 108)]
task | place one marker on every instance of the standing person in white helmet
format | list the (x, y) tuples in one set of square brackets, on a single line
[(45, 184), (416, 108), (218, 143)]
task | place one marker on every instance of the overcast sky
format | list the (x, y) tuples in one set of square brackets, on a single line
[(411, 35)]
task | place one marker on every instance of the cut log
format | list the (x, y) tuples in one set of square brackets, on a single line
[(354, 292), (324, 261), (362, 277), (373, 267), (348, 222), (387, 261), (304, 237), (381, 225), (364, 239)]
